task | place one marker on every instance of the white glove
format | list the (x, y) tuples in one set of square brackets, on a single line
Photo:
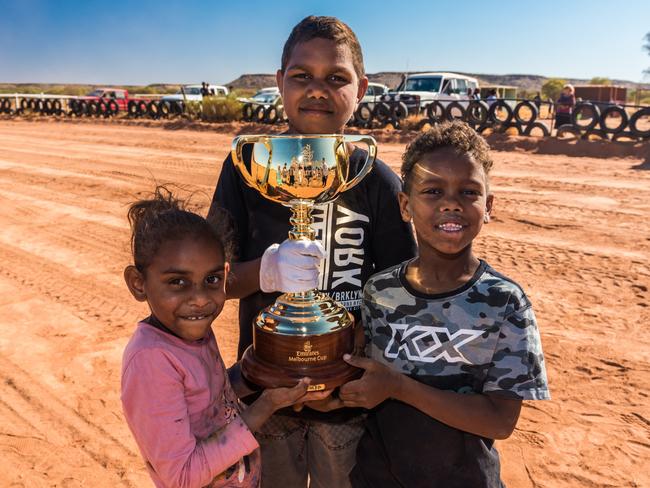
[(291, 267)]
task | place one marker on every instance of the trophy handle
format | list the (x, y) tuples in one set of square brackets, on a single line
[(367, 166), (238, 144)]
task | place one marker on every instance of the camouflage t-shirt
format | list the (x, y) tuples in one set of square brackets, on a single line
[(480, 338)]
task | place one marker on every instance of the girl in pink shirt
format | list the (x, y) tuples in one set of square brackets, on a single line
[(177, 400)]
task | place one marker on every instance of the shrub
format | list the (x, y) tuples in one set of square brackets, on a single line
[(552, 88), (221, 109)]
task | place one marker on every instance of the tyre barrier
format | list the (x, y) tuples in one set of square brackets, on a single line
[(436, 112), (526, 112), (247, 112), (585, 115), (272, 114), (589, 120), (153, 109), (259, 114), (455, 111), (363, 115)]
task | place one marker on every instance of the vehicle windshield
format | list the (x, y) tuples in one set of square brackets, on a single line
[(427, 84), (265, 97), (190, 90), (96, 93)]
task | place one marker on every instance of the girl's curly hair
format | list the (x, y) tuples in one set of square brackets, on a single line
[(163, 217)]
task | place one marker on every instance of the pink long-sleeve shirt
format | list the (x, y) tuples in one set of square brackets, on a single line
[(184, 414)]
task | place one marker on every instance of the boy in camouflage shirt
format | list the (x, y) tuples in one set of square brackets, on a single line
[(453, 346)]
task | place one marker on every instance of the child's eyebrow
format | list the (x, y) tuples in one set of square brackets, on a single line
[(334, 69), (187, 272)]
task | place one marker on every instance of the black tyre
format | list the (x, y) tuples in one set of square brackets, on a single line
[(93, 108), (102, 109), (382, 113), (5, 107), (625, 136), (614, 111), (176, 107), (271, 116), (585, 116), (39, 106), (363, 115), (568, 131), (57, 107), (83, 108), (247, 112), (132, 108), (595, 135), (537, 129), (400, 111), (165, 108), (477, 112), (153, 109), (526, 112), (259, 114), (143, 109), (113, 107), (48, 107), (636, 127), (436, 112), (519, 129), (24, 104), (455, 111), (73, 105), (500, 113)]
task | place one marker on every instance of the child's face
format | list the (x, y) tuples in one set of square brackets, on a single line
[(185, 285), (447, 201), (320, 88)]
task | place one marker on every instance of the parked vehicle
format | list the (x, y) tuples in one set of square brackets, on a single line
[(417, 91), (107, 102), (374, 93), (193, 93)]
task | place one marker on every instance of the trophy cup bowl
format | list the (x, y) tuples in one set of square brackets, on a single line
[(301, 334)]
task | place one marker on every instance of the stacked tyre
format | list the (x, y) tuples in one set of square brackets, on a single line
[(610, 122), (262, 114)]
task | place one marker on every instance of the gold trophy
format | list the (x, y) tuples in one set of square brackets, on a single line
[(301, 334)]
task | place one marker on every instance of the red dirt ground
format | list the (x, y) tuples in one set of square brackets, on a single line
[(573, 231)]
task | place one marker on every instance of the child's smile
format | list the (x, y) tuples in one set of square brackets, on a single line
[(320, 87), (447, 201), (185, 285)]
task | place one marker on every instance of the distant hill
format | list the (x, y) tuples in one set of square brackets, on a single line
[(81, 89), (252, 82), (393, 78)]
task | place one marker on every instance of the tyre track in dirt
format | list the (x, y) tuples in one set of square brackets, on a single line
[(570, 230), (47, 420)]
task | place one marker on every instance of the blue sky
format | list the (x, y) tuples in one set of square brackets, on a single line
[(142, 42)]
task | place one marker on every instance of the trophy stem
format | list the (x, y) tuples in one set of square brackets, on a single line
[(301, 220)]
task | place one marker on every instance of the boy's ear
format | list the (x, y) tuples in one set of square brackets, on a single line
[(489, 202), (279, 79), (135, 282), (403, 200), (363, 86)]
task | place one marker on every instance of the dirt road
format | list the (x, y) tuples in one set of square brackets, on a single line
[(574, 232)]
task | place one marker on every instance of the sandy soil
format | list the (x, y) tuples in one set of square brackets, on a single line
[(574, 231)]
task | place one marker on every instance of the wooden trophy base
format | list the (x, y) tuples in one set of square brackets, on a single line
[(323, 377), (277, 359)]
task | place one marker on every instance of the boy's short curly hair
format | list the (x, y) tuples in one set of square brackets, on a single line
[(456, 135), (330, 28)]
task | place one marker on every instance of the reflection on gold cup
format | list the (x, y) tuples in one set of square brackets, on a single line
[(301, 334)]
